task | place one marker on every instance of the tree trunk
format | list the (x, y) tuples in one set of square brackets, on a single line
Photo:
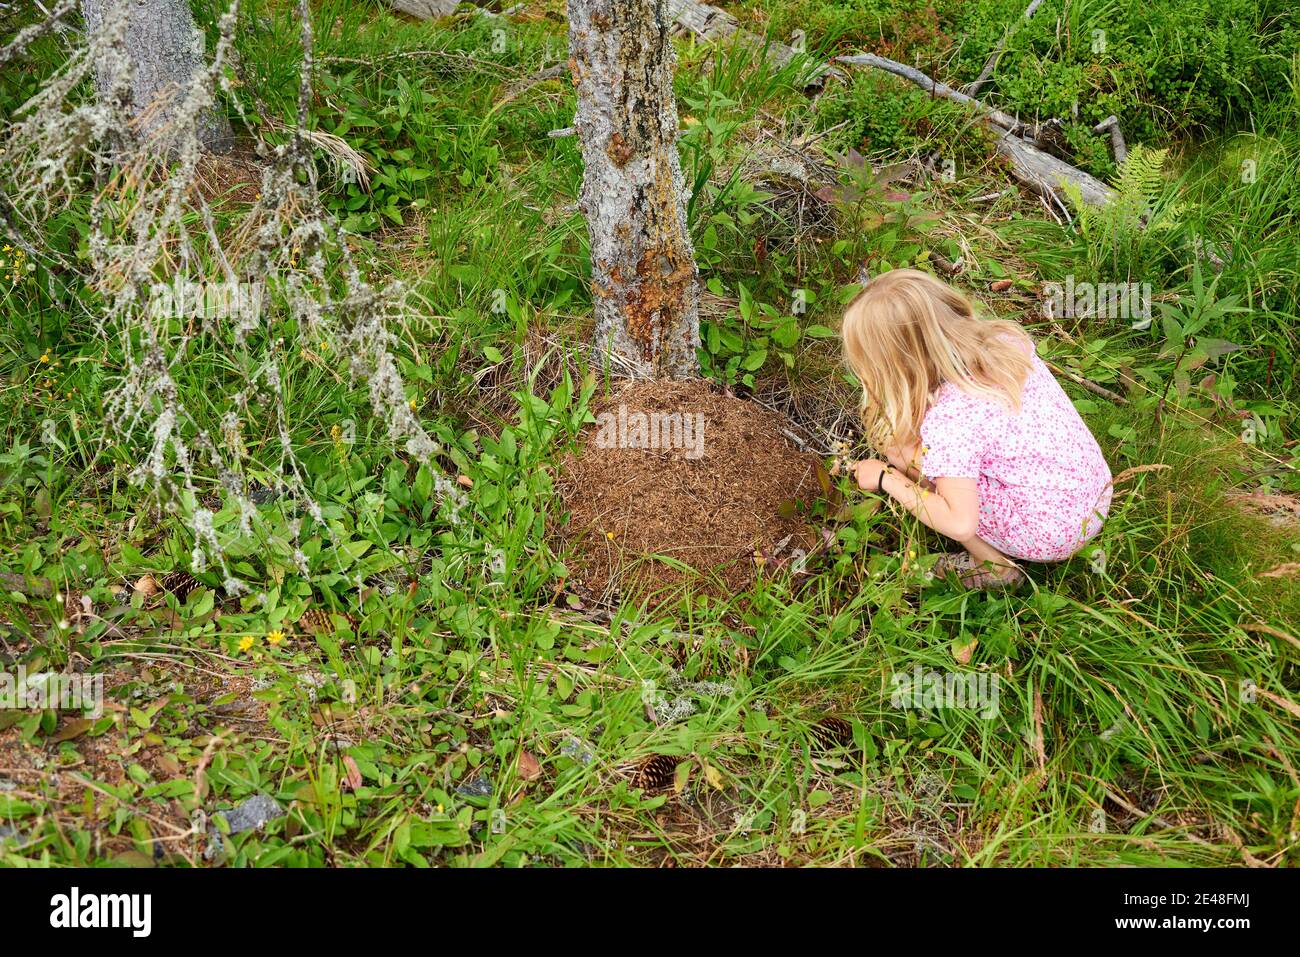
[(166, 51), (644, 279)]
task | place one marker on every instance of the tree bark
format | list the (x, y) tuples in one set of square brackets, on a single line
[(644, 278), (166, 51)]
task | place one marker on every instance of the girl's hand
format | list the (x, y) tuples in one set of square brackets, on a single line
[(867, 472), (906, 458)]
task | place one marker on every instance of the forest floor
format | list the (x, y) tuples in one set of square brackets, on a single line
[(478, 692)]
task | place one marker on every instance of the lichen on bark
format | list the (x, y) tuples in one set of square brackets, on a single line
[(166, 51), (644, 277)]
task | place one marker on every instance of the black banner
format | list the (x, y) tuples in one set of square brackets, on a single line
[(364, 907)]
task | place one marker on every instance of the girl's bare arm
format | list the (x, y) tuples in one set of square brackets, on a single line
[(906, 458), (952, 509)]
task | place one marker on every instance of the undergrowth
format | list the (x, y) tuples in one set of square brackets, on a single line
[(457, 704)]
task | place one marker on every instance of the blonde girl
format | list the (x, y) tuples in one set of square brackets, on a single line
[(983, 445)]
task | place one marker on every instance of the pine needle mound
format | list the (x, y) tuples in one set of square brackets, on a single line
[(704, 511)]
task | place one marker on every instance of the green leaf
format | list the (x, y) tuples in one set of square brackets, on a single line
[(786, 334), (356, 548), (205, 603), (1171, 327)]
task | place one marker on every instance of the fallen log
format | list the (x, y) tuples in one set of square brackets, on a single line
[(1044, 173), (1040, 171)]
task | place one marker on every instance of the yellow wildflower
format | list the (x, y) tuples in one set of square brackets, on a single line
[(275, 637), (246, 643)]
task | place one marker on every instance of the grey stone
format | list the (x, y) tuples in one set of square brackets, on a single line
[(253, 813), (479, 787)]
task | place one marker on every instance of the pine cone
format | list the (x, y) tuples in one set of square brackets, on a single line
[(831, 732), (180, 583), (317, 621), (656, 773)]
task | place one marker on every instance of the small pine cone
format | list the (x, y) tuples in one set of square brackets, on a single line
[(180, 583), (656, 773), (317, 621), (831, 732)]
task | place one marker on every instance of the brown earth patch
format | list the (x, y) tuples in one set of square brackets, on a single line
[(69, 775), (720, 502)]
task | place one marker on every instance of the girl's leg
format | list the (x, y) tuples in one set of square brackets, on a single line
[(988, 567), (993, 567), (982, 552)]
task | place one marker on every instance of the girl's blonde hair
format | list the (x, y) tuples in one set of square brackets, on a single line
[(907, 333)]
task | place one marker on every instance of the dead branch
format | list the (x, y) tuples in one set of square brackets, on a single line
[(1111, 125), (1040, 171), (996, 117), (1088, 384), (519, 87)]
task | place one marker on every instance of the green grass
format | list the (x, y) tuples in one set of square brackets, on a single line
[(1158, 684)]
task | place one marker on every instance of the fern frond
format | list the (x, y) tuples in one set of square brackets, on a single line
[(1085, 215), (1140, 174), (1139, 183), (1119, 229)]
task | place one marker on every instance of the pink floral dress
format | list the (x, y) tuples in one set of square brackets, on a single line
[(1044, 486)]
